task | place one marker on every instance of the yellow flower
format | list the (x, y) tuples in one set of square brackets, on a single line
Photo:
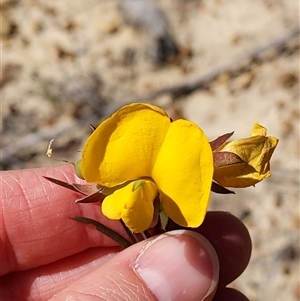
[(144, 155), (252, 163)]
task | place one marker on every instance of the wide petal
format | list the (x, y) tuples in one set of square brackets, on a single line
[(183, 173), (133, 204), (125, 146)]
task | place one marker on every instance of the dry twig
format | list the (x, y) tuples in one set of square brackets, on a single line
[(236, 66)]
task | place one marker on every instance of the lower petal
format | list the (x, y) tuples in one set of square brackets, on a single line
[(133, 204)]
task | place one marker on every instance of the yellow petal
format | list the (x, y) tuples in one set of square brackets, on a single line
[(133, 204), (125, 146), (114, 204), (239, 176), (256, 152), (183, 173), (258, 130)]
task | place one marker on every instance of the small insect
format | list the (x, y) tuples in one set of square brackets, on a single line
[(49, 149)]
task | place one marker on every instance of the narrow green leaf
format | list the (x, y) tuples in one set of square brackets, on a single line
[(105, 230), (62, 183)]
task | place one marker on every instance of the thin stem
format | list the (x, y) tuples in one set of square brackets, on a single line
[(129, 233), (140, 236), (147, 233)]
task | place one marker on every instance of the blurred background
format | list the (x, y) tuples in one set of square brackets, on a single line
[(223, 64)]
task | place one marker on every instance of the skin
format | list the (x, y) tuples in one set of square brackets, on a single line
[(45, 254)]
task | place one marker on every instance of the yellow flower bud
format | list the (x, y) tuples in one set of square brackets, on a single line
[(255, 153)]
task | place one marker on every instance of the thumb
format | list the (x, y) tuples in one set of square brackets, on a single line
[(178, 265)]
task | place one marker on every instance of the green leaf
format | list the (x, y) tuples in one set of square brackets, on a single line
[(105, 230)]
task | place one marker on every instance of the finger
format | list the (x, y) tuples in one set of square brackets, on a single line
[(232, 242), (179, 265), (226, 294), (43, 282), (36, 226)]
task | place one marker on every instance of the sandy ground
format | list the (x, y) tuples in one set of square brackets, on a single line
[(68, 64)]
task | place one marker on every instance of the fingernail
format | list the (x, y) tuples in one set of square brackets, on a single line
[(179, 265)]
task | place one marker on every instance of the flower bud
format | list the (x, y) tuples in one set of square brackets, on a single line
[(244, 162)]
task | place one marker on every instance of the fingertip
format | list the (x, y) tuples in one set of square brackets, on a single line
[(232, 242), (226, 294), (179, 265)]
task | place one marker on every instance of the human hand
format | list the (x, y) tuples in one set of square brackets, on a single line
[(46, 255)]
